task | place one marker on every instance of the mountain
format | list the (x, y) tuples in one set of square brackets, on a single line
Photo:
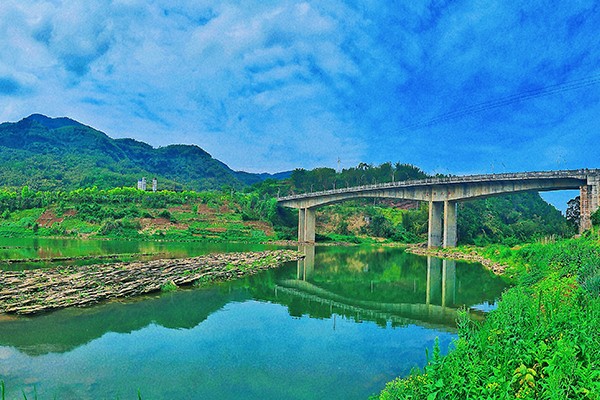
[(251, 179), (60, 153)]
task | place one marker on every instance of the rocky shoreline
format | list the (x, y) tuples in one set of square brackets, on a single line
[(34, 291), (493, 266)]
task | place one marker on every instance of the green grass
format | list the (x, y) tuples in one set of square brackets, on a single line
[(541, 343), (168, 287), (35, 396)]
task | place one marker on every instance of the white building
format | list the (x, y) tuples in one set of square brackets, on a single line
[(142, 184)]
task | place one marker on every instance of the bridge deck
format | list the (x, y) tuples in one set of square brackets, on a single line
[(579, 174)]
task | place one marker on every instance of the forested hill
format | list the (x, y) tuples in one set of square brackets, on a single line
[(60, 153)]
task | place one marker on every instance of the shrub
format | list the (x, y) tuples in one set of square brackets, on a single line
[(541, 341), (596, 218), (169, 286)]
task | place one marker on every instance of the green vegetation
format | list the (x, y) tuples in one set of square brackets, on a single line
[(252, 215), (131, 213), (304, 181), (62, 154), (49, 166), (541, 343), (169, 286), (511, 219)]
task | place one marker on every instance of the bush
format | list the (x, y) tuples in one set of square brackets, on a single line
[(169, 286), (596, 218), (122, 227), (166, 215)]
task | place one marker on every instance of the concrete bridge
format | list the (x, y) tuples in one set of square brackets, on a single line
[(443, 194)]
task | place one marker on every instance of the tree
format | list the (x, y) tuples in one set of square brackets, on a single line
[(596, 218), (574, 212), (299, 178)]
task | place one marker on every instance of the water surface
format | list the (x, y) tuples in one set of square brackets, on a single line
[(338, 325)]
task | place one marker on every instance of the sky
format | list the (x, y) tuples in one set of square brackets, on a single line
[(456, 87)]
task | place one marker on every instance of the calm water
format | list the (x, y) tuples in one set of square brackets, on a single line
[(41, 249), (338, 325)]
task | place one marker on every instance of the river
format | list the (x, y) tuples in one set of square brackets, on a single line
[(337, 325)]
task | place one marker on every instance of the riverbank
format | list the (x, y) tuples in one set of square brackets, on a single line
[(34, 291), (541, 342), (462, 254)]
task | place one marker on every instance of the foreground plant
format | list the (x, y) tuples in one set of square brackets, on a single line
[(541, 343)]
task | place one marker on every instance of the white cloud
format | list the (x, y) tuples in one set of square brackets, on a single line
[(283, 84)]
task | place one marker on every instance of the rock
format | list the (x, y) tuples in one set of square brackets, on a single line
[(28, 292)]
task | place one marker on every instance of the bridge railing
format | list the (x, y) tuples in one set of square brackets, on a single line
[(575, 174)]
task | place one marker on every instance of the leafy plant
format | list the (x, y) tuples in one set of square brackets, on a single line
[(169, 286), (541, 341)]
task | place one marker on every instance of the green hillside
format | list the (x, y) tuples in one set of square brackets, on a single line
[(62, 154), (136, 214)]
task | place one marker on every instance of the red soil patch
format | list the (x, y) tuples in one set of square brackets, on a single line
[(70, 213), (48, 218), (217, 230), (204, 209), (159, 223), (182, 208), (260, 226), (205, 213)]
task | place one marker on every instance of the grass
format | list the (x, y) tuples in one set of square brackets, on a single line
[(35, 396), (168, 287), (541, 343)]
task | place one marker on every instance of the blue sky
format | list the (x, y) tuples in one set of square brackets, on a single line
[(451, 86)]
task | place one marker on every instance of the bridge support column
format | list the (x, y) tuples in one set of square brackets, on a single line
[(301, 221), (310, 225), (306, 225), (434, 236), (449, 223), (589, 201)]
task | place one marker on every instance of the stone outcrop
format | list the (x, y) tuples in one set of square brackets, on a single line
[(34, 291)]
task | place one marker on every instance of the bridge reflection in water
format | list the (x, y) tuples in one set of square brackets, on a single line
[(431, 299), (441, 281), (384, 285)]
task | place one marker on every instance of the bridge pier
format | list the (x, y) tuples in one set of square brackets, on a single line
[(589, 196), (301, 221), (306, 225), (434, 234), (442, 224), (450, 223)]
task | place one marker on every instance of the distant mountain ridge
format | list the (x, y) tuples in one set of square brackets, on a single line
[(60, 153)]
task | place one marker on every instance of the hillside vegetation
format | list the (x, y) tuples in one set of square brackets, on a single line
[(253, 215), (132, 213), (62, 154), (541, 343)]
